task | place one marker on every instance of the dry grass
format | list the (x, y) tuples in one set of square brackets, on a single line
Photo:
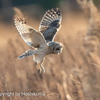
[(72, 75)]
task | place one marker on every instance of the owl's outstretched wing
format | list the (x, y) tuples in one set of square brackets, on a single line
[(30, 36), (50, 24)]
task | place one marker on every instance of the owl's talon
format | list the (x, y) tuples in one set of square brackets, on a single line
[(39, 71)]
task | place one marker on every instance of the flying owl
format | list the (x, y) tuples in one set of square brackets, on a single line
[(43, 40)]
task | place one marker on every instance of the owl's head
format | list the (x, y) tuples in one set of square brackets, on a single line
[(56, 47)]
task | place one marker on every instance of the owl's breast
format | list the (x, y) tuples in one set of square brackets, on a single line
[(37, 58), (40, 54)]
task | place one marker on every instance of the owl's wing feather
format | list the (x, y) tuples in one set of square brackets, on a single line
[(50, 24), (30, 36)]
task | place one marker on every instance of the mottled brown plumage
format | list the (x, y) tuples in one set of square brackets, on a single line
[(42, 41)]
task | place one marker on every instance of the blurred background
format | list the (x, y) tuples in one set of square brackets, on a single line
[(72, 75)]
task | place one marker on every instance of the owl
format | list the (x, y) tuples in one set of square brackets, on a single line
[(43, 40)]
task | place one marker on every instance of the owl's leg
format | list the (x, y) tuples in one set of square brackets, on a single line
[(42, 69), (38, 68), (27, 54)]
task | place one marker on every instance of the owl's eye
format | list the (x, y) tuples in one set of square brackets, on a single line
[(57, 48)]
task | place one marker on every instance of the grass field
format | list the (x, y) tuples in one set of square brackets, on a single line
[(71, 75)]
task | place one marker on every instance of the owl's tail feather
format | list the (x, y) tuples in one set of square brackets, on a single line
[(26, 54)]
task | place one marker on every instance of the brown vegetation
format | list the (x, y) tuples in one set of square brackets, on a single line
[(72, 75)]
